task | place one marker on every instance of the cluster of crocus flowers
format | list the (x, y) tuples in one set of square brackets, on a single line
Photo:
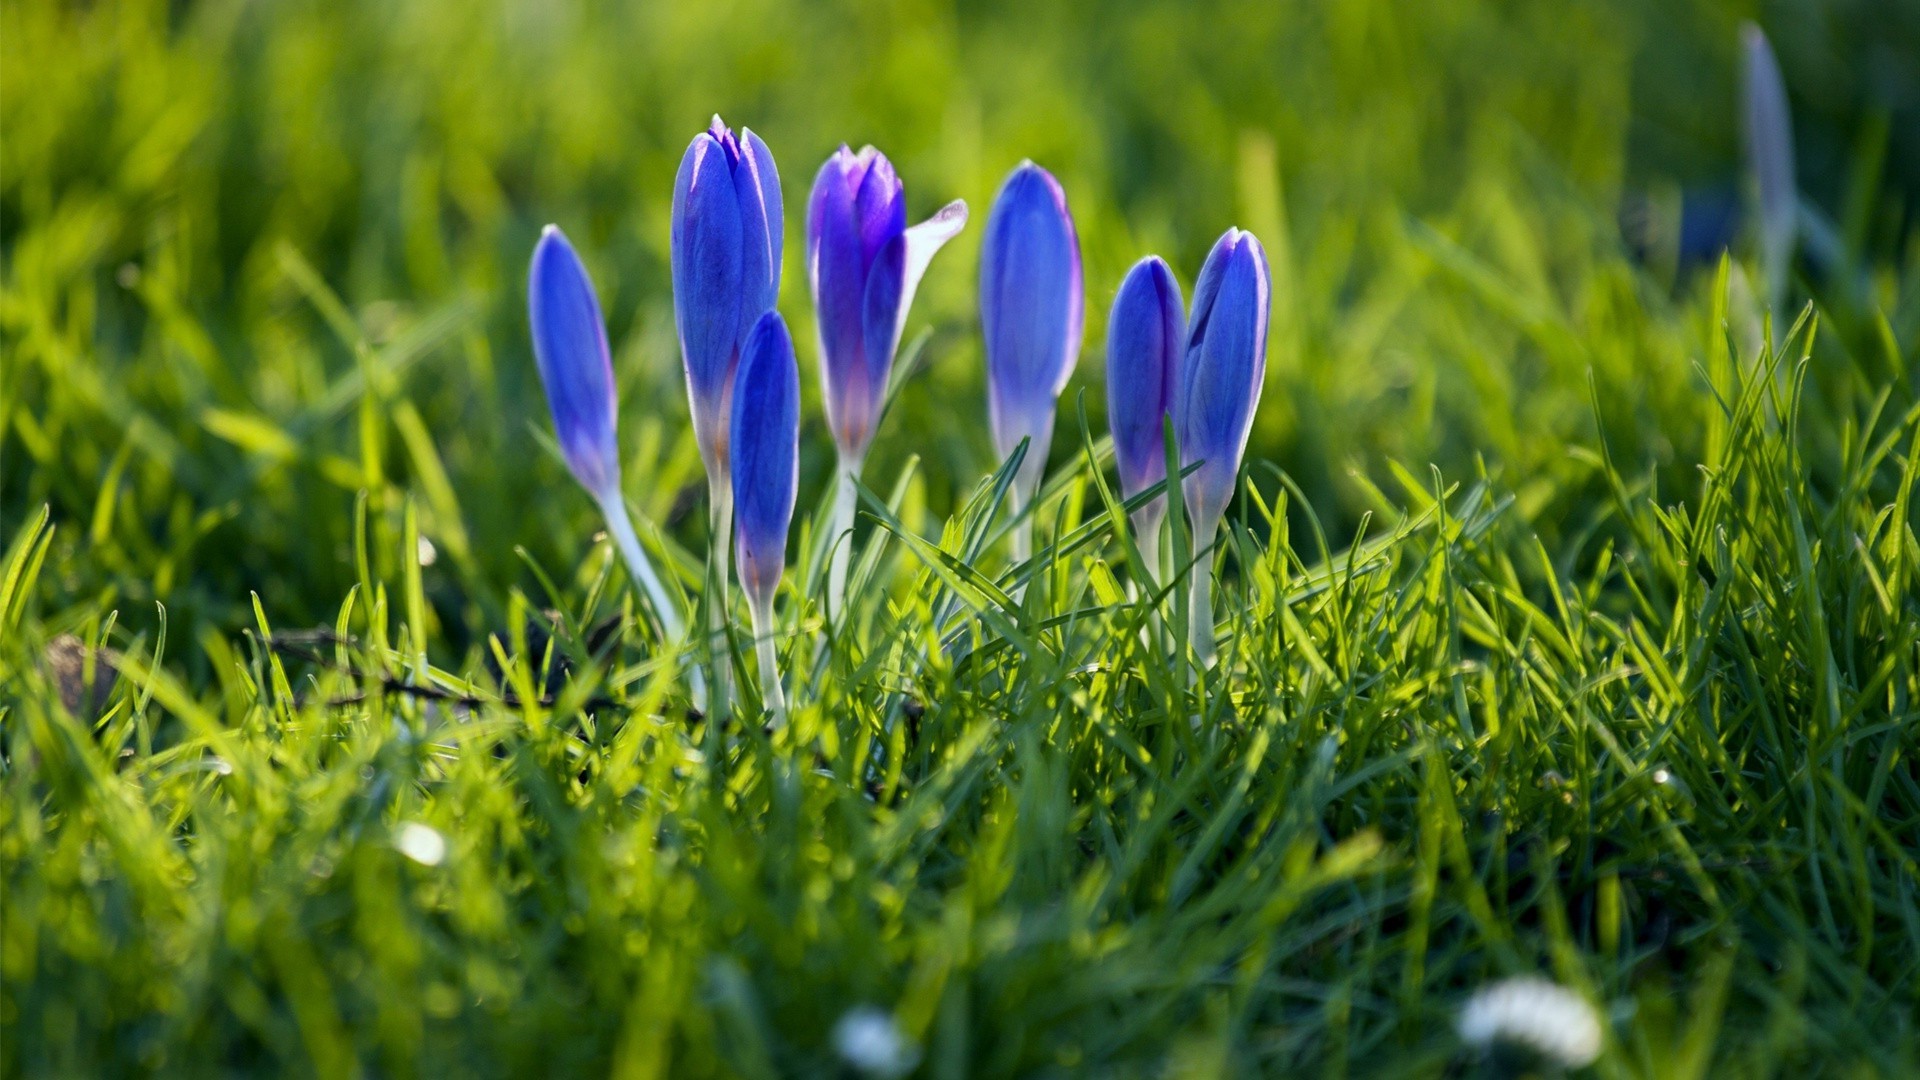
[(1204, 372), (863, 266), (1201, 370)]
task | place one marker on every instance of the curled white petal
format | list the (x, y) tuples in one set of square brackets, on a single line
[(923, 242)]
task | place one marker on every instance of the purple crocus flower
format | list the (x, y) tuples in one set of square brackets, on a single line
[(1146, 334), (727, 232), (1226, 361), (1031, 313), (766, 435), (726, 240), (863, 265), (576, 369)]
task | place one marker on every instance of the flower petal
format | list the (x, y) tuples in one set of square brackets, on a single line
[(880, 208), (764, 233), (881, 326), (923, 242)]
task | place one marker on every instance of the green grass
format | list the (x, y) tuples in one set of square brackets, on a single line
[(1567, 625)]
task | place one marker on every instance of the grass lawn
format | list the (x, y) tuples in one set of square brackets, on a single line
[(1568, 613)]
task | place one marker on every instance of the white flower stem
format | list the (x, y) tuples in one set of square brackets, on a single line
[(1200, 612), (839, 533), (719, 567), (1147, 574), (1026, 485), (771, 693), (614, 508), (1146, 536), (672, 626)]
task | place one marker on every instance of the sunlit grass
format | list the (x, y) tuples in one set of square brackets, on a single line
[(1569, 612)]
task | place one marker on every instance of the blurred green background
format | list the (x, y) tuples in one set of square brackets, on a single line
[(222, 224)]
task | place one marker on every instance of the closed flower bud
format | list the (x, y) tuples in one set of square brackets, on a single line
[(1226, 361), (570, 347), (725, 251), (1146, 335), (766, 435), (766, 448), (1220, 377), (1031, 312)]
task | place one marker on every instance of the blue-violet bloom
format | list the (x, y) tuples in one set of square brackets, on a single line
[(1146, 337), (576, 369), (766, 436), (727, 230), (1220, 378), (863, 265), (1031, 314)]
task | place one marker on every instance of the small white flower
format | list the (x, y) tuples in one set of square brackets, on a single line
[(869, 1040), (426, 551), (1532, 1012), (421, 843)]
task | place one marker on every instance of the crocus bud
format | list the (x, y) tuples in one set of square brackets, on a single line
[(765, 420), (725, 252), (1146, 334), (1031, 303), (766, 437), (570, 347), (864, 265), (1220, 378), (1219, 388)]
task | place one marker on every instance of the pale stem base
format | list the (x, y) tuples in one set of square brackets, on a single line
[(719, 571), (839, 528), (1026, 486), (1200, 612), (763, 634), (1146, 536), (672, 626), (614, 509), (1147, 574)]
